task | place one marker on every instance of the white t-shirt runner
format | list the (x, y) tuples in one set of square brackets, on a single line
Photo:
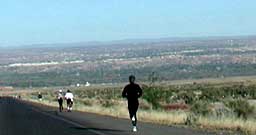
[(69, 96)]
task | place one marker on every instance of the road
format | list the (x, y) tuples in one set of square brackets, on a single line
[(19, 117)]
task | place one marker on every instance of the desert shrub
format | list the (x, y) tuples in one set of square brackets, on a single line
[(153, 95), (218, 109), (241, 107), (85, 102), (242, 91), (200, 108), (176, 106), (100, 93), (213, 94), (144, 105), (191, 119), (252, 91), (168, 96), (107, 103), (187, 96)]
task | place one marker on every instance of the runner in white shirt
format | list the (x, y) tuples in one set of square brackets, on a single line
[(69, 97)]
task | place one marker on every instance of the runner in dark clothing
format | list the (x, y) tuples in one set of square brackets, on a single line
[(132, 92), (39, 96), (60, 100)]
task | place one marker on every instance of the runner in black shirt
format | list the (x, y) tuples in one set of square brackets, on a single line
[(60, 100), (132, 92)]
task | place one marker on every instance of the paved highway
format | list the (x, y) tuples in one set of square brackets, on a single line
[(24, 118)]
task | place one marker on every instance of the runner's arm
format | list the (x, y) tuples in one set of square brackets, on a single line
[(124, 93), (139, 91)]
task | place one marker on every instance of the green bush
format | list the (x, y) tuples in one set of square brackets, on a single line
[(200, 108), (107, 103), (241, 107), (187, 96), (212, 94), (191, 119), (153, 95), (85, 102)]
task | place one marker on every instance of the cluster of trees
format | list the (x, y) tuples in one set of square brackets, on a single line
[(108, 75)]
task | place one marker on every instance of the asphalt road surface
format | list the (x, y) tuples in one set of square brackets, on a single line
[(24, 118)]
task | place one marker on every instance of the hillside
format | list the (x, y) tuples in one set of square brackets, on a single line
[(163, 60)]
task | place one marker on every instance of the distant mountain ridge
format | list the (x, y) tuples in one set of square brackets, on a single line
[(128, 41)]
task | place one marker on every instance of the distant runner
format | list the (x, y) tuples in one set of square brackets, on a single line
[(39, 96), (132, 92), (69, 97), (60, 100)]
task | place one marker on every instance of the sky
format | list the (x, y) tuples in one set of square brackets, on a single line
[(25, 22)]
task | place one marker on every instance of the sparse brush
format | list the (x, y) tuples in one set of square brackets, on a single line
[(187, 96), (153, 95), (241, 107), (145, 105), (107, 103), (86, 102), (200, 108)]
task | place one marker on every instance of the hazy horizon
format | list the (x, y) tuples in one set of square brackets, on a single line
[(131, 40)]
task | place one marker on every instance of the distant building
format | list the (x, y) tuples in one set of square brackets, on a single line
[(6, 88)]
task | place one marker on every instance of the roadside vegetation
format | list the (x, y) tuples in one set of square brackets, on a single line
[(220, 106)]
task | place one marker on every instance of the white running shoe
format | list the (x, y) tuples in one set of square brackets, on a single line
[(133, 118), (134, 129)]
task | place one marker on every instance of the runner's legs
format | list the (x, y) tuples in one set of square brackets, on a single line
[(60, 104), (133, 108)]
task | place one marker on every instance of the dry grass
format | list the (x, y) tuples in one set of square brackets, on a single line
[(228, 123), (162, 117), (120, 111)]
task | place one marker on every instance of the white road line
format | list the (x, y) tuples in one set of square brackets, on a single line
[(68, 121)]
